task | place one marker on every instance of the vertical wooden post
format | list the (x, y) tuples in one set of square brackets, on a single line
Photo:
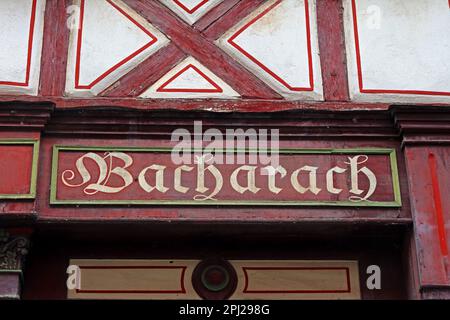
[(332, 50), (54, 48), (427, 155)]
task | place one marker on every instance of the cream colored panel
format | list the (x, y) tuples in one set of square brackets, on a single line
[(293, 279), (256, 279), (135, 279)]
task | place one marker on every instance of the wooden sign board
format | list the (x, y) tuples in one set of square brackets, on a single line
[(256, 279), (149, 176)]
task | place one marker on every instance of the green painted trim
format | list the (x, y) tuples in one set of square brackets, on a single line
[(281, 151), (34, 167), (388, 204), (392, 204), (54, 177), (395, 178)]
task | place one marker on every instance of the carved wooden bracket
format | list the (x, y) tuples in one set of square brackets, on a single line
[(13, 250)]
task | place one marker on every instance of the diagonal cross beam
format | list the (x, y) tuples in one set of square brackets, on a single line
[(189, 40)]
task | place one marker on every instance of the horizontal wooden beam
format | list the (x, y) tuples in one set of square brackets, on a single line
[(249, 105)]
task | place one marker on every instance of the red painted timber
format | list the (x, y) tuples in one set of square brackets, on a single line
[(231, 18), (54, 49), (194, 43), (154, 67), (16, 208), (250, 105), (332, 50), (213, 15), (237, 214), (437, 198), (148, 72), (428, 212), (70, 185), (16, 162)]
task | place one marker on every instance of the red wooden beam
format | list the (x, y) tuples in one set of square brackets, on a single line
[(250, 105), (213, 15), (54, 49), (193, 43), (148, 72), (231, 18), (154, 67), (332, 50)]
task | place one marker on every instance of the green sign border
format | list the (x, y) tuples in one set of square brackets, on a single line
[(34, 167)]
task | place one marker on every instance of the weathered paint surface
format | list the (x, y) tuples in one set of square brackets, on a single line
[(191, 10), (17, 159), (429, 182), (332, 50), (21, 43), (398, 50), (272, 49), (359, 122), (107, 40), (255, 279), (321, 177), (278, 42), (204, 213)]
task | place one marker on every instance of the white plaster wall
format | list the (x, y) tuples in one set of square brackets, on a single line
[(108, 37), (404, 45), (278, 41), (15, 17)]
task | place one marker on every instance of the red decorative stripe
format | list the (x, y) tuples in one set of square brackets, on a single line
[(359, 67), (347, 273), (217, 88), (264, 67), (29, 51), (181, 290), (190, 11), (308, 43), (357, 48), (79, 41), (119, 64), (438, 204)]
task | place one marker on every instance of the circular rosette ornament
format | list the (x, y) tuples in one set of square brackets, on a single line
[(214, 279)]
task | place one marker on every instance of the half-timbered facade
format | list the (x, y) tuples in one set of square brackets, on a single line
[(134, 139)]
